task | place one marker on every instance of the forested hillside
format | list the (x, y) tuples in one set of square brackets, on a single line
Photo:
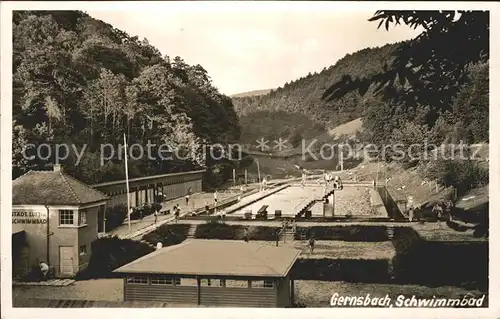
[(79, 81), (308, 114), (251, 93), (429, 91)]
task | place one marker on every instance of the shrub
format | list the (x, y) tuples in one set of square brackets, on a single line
[(462, 174), (439, 263), (168, 234), (350, 270), (156, 207), (146, 209), (345, 233), (263, 233), (115, 216), (219, 231), (214, 229), (404, 239), (109, 254)]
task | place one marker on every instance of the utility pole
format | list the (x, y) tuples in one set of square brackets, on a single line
[(341, 161), (126, 177), (258, 167)]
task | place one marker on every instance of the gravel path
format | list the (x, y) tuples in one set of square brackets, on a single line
[(98, 289)]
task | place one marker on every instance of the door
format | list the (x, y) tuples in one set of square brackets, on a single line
[(66, 264), (100, 219)]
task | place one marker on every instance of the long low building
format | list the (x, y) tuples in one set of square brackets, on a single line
[(144, 189), (213, 273)]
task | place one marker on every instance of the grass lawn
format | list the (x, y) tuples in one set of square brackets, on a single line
[(98, 289), (437, 232), (340, 249)]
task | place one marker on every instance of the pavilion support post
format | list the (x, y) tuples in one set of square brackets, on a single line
[(292, 292), (198, 291)]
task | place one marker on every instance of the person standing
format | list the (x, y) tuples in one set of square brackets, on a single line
[(245, 235), (410, 213), (448, 209), (312, 242), (176, 212), (188, 194), (156, 216), (44, 269), (438, 210), (215, 197)]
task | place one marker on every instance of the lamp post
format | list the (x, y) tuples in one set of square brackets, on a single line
[(48, 233)]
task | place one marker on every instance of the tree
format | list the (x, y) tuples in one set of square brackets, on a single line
[(471, 106), (430, 68), (79, 81)]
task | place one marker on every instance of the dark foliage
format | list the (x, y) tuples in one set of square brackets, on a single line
[(435, 263), (345, 233), (79, 81), (115, 216), (297, 109), (263, 233), (219, 231), (430, 68), (169, 234), (350, 270), (110, 253), (214, 229)]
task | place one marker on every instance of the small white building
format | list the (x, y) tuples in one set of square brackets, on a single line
[(54, 219)]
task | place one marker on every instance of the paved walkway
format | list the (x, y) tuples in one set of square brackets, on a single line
[(50, 282), (252, 198), (70, 303), (196, 201), (272, 223)]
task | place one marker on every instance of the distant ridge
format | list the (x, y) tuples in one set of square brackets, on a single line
[(251, 93)]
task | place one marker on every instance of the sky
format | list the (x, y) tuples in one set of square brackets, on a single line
[(245, 50)]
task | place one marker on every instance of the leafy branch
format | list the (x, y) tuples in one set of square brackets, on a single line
[(429, 69)]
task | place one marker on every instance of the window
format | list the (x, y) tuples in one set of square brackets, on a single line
[(164, 280), (137, 280), (211, 283), (189, 282), (66, 217), (237, 283), (263, 284), (83, 217), (83, 249)]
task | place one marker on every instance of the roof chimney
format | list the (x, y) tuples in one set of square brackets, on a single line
[(57, 168)]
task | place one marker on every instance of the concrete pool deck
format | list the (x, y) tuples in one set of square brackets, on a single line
[(356, 200), (288, 199)]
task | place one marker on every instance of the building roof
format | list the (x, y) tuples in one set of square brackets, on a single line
[(52, 188), (149, 178), (216, 258)]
